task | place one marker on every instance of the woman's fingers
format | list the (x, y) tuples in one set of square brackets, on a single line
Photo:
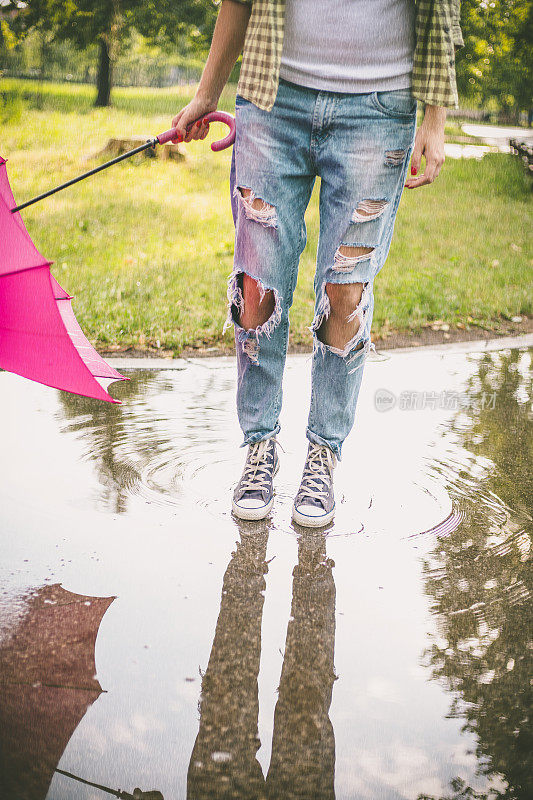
[(204, 130), (197, 130), (176, 120), (190, 125), (416, 157), (183, 122), (431, 171), (190, 131), (414, 183)]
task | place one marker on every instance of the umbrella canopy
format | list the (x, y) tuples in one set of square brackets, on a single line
[(40, 337)]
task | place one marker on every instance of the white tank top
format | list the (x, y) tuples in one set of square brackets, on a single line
[(349, 45)]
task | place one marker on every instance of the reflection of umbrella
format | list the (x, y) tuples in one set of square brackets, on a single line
[(138, 794), (39, 335), (47, 683)]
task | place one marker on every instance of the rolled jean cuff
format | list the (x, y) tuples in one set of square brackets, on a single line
[(252, 438), (313, 437)]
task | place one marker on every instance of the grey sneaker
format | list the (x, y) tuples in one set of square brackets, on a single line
[(314, 505), (254, 495)]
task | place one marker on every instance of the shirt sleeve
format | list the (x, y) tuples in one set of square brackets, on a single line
[(457, 34), (438, 35)]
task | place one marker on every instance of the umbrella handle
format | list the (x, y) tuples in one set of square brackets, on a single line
[(213, 116)]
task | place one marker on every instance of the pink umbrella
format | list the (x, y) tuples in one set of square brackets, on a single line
[(40, 337)]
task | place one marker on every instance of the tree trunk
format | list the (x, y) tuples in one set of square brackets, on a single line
[(104, 78), (43, 55)]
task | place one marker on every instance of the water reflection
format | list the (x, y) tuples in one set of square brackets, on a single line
[(48, 682), (140, 450), (476, 575), (479, 577), (223, 762), (119, 438)]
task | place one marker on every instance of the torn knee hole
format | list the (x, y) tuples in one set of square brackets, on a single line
[(343, 298), (340, 327), (347, 256), (256, 202), (250, 346), (258, 302), (254, 309), (393, 158), (369, 209), (255, 208)]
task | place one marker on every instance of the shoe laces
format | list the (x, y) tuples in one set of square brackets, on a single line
[(257, 474), (317, 472)]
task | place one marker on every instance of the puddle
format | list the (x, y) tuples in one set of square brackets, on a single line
[(148, 641)]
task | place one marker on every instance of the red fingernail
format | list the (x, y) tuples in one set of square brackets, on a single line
[(198, 124), (180, 137), (413, 170)]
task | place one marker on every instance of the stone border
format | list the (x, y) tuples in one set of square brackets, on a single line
[(472, 346)]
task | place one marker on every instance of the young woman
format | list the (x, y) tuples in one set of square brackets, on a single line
[(326, 89)]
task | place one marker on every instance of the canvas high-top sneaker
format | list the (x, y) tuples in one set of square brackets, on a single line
[(253, 497)]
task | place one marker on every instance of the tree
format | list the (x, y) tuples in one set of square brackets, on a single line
[(497, 59), (11, 27), (108, 23), (43, 17)]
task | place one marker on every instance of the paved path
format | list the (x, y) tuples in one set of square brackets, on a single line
[(496, 134)]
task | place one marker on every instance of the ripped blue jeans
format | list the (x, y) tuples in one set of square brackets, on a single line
[(360, 146)]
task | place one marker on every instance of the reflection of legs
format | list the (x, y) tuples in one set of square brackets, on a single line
[(223, 762), (303, 745)]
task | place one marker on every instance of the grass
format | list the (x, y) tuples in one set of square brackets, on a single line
[(146, 247)]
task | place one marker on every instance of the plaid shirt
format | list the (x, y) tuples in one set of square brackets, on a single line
[(438, 36)]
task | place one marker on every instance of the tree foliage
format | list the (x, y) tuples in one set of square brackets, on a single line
[(497, 59), (109, 23)]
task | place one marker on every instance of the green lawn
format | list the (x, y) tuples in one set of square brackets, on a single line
[(146, 247)]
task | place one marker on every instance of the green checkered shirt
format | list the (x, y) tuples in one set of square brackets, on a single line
[(438, 36)]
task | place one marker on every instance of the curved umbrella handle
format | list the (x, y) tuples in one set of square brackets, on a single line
[(213, 116)]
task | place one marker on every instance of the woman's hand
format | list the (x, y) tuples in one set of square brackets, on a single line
[(429, 142), (193, 112)]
